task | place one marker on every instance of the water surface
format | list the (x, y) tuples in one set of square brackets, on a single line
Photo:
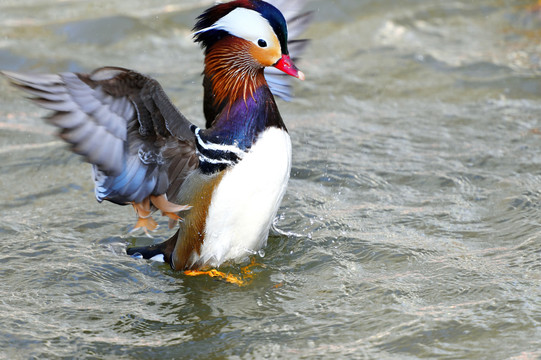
[(411, 225)]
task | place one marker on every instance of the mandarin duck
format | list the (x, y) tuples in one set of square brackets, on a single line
[(226, 179)]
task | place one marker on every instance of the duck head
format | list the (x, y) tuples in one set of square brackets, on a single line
[(251, 32), (240, 39)]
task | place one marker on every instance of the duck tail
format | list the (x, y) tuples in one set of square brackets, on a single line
[(159, 252)]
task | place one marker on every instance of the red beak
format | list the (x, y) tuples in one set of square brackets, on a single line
[(286, 65)]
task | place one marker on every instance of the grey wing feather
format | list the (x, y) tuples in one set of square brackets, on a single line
[(298, 21), (108, 117), (87, 124)]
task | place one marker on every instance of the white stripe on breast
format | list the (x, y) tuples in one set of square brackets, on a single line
[(218, 147), (245, 202), (203, 158)]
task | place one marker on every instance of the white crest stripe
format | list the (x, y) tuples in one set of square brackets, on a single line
[(244, 23)]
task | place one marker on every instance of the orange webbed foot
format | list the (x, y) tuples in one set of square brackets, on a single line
[(173, 219), (168, 208), (144, 211), (145, 223), (144, 219), (244, 278), (230, 278)]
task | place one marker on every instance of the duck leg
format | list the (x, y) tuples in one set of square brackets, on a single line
[(168, 208), (144, 212)]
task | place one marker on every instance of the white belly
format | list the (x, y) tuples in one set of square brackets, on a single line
[(245, 202)]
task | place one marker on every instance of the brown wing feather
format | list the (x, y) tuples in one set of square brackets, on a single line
[(182, 160)]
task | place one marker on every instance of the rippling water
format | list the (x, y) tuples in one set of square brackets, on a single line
[(410, 229)]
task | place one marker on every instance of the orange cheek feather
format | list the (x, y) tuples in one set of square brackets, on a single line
[(267, 56)]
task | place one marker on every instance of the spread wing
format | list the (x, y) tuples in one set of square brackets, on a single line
[(297, 21), (124, 124)]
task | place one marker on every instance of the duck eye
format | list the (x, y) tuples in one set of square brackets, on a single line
[(262, 43)]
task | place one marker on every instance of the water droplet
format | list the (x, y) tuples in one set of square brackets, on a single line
[(261, 253)]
